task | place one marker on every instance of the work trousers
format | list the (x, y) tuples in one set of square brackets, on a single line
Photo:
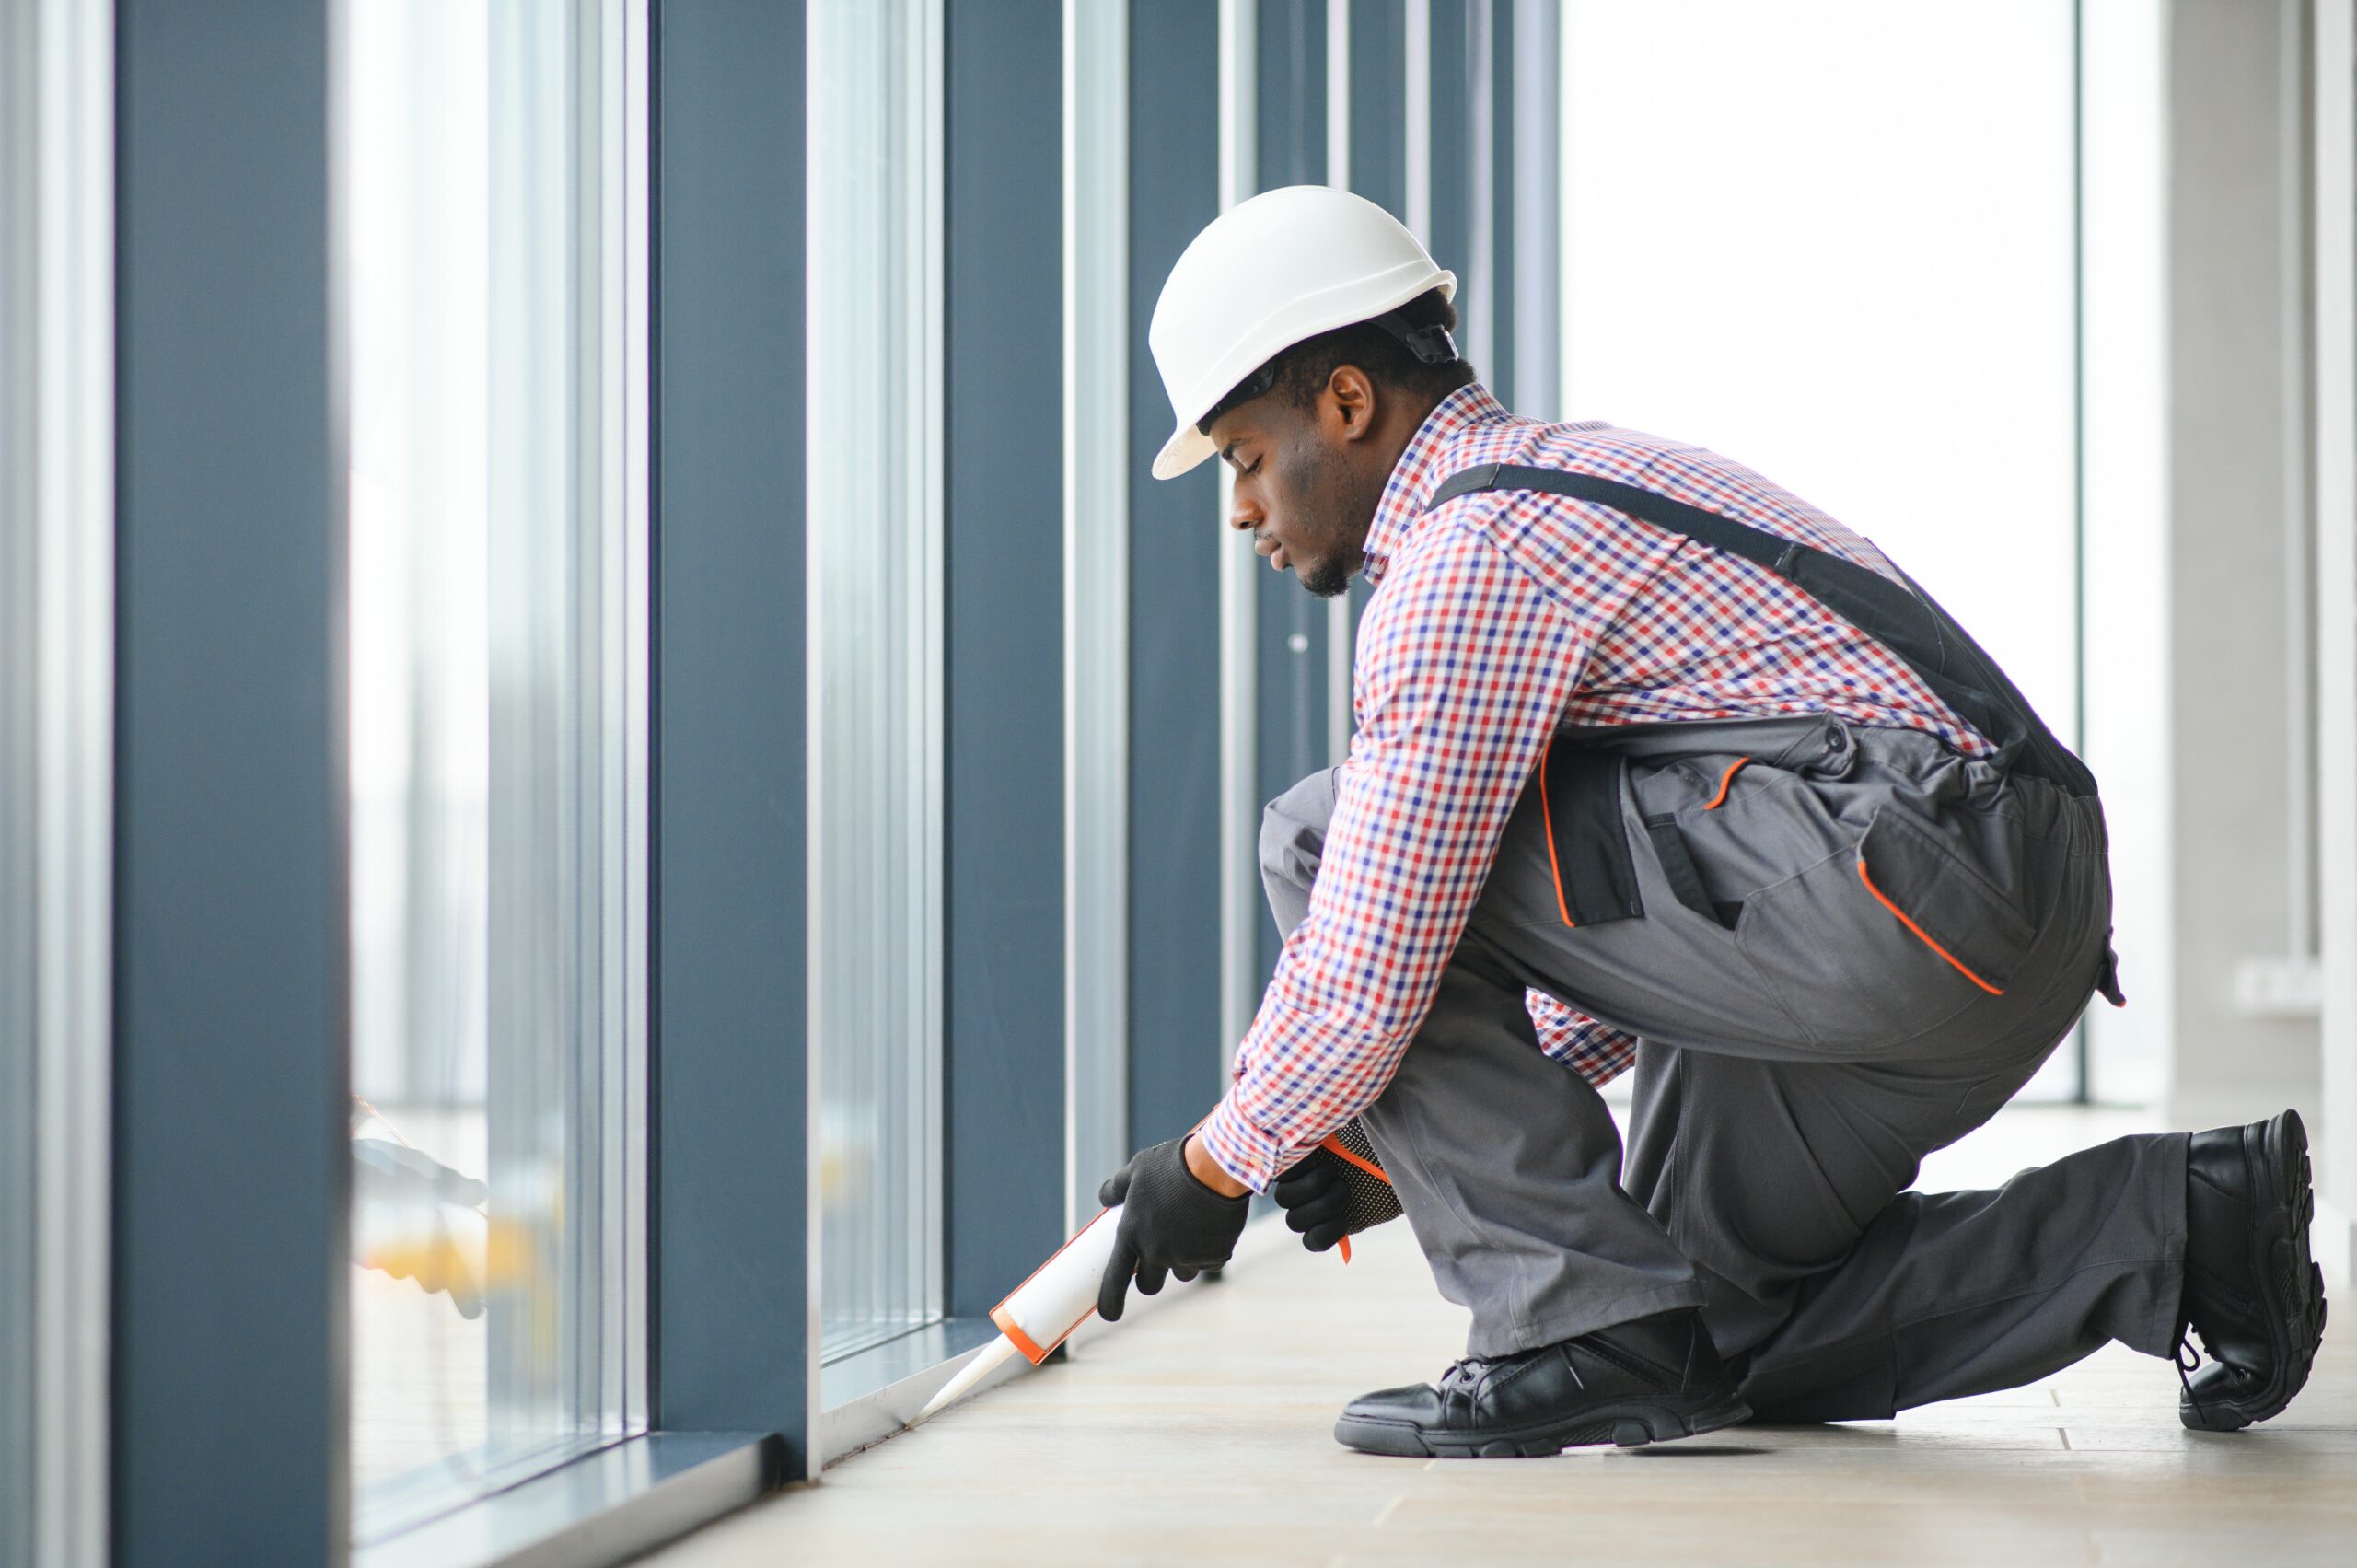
[(1851, 950)]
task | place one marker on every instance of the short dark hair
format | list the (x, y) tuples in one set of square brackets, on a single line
[(1301, 372)]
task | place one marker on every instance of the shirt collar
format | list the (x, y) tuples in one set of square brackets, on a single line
[(1421, 467)]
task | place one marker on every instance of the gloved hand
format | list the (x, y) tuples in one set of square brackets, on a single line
[(1170, 1224), (1338, 1190), (1315, 1196)]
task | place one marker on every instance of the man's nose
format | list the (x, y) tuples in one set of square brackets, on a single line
[(1245, 515)]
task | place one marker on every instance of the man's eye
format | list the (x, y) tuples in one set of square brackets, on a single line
[(1247, 473)]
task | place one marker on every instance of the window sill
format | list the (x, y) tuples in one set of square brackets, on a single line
[(608, 1507), (873, 1394)]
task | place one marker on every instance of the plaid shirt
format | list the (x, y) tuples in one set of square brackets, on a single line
[(1496, 618)]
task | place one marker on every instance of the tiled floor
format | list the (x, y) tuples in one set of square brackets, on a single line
[(1199, 1433)]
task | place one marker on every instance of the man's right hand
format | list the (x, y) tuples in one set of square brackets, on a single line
[(1317, 1200)]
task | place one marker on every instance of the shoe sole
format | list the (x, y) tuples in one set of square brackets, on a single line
[(1629, 1423), (2291, 1283)]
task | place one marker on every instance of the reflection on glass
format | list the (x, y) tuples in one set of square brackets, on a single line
[(874, 618), (496, 680)]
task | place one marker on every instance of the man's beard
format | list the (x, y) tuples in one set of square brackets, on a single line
[(1321, 472), (1330, 578)]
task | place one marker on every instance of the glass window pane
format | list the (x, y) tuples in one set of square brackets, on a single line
[(497, 688), (874, 620)]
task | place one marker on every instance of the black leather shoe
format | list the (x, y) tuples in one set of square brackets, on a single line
[(2251, 1291), (1633, 1383)]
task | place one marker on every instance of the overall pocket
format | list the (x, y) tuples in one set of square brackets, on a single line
[(1881, 942)]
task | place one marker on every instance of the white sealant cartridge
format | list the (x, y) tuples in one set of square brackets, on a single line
[(1040, 1313)]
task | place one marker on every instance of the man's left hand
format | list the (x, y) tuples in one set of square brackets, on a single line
[(1170, 1224)]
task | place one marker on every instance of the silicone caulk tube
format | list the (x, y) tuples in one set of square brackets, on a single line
[(1040, 1313)]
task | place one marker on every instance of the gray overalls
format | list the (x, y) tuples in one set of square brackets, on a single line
[(1842, 947)]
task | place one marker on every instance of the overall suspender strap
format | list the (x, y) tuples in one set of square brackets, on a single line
[(1899, 615)]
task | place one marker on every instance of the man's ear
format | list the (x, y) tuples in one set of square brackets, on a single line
[(1350, 400)]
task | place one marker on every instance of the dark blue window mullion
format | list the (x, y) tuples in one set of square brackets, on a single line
[(1450, 240), (729, 1204), (231, 1052), (1004, 886), (1291, 626), (1175, 540)]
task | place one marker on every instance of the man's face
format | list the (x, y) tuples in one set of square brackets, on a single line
[(1302, 486)]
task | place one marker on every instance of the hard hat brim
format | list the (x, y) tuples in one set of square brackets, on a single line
[(1186, 448)]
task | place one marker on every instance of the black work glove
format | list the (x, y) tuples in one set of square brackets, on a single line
[(1317, 1200), (1171, 1224), (1339, 1189)]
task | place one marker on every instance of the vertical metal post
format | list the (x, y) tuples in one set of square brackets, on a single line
[(231, 1097), (1339, 610), (2081, 1047), (1177, 852), (1096, 597), (56, 762), (735, 1346), (1240, 915), (1416, 107), (1004, 370), (1477, 293), (1536, 317)]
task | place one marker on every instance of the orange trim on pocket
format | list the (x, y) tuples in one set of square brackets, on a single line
[(1335, 1148), (1726, 783), (1346, 1249), (1921, 932), (1547, 810)]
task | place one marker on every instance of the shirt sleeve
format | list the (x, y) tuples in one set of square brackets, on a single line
[(1464, 666), (1596, 1051)]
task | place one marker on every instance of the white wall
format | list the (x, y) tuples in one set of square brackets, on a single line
[(2336, 499), (2238, 732), (1835, 241)]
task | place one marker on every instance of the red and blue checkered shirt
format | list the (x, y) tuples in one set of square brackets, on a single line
[(1496, 618)]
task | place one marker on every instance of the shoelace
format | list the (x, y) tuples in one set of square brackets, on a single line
[(2186, 1368), (1469, 1370)]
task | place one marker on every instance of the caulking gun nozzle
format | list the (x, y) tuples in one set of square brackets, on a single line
[(987, 1360)]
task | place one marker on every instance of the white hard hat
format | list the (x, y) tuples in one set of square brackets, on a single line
[(1286, 265)]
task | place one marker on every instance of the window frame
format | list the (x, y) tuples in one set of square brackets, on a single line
[(56, 756)]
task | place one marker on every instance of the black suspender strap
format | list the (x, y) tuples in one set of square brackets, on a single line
[(1899, 615)]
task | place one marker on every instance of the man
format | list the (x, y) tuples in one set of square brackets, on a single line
[(1656, 764)]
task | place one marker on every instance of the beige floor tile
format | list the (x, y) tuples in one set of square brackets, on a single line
[(1201, 1434)]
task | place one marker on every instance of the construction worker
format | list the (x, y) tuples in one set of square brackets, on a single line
[(1657, 765)]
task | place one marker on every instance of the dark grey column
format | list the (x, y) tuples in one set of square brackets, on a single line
[(1006, 1025), (231, 1058), (730, 1202), (1175, 537), (1451, 241), (1293, 627), (1378, 106)]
